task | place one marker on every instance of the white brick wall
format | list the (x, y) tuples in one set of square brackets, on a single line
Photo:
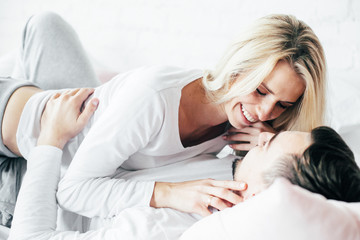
[(123, 34)]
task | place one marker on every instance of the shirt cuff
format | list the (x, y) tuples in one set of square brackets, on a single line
[(148, 195), (45, 154)]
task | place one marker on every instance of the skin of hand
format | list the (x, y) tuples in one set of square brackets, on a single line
[(246, 138), (197, 196), (63, 119)]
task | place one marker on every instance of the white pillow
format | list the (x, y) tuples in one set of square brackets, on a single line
[(282, 212)]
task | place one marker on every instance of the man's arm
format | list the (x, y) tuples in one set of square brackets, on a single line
[(36, 208)]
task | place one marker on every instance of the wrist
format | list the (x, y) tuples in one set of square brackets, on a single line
[(51, 140), (161, 195)]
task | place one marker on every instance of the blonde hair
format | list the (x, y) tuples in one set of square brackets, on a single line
[(254, 56)]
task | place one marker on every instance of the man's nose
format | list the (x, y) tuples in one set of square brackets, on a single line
[(264, 137)]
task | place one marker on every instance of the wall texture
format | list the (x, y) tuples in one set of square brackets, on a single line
[(123, 34)]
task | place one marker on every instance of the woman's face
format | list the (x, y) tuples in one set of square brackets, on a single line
[(279, 91)]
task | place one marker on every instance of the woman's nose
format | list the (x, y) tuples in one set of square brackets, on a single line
[(264, 137), (265, 111)]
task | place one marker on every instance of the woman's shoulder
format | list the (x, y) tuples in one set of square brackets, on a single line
[(160, 77), (148, 83)]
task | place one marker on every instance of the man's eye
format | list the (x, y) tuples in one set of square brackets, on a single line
[(259, 92)]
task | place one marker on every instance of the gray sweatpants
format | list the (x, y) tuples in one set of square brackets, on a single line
[(51, 57)]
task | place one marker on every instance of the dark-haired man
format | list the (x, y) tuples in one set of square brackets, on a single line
[(319, 161)]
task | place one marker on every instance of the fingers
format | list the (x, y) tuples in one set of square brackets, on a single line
[(258, 126), (198, 195), (239, 137), (72, 92), (83, 93), (221, 194), (205, 211), (69, 106), (225, 194), (88, 111), (218, 203), (246, 138), (245, 130), (241, 141), (242, 147), (79, 97), (224, 190), (233, 185), (55, 96)]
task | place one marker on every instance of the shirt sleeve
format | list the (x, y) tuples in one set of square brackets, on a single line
[(127, 125), (36, 208)]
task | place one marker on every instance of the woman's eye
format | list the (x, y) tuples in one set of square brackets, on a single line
[(282, 106), (259, 92)]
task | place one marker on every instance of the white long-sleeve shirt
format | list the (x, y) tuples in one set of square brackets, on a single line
[(36, 209), (135, 127)]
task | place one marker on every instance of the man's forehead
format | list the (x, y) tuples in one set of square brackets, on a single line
[(293, 141)]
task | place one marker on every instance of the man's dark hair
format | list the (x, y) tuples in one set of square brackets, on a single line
[(326, 167)]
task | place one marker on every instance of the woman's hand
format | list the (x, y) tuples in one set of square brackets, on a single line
[(63, 117), (248, 137), (197, 196)]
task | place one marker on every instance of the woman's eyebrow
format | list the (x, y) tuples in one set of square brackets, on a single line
[(267, 88)]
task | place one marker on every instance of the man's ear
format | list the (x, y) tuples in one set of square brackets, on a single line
[(251, 192)]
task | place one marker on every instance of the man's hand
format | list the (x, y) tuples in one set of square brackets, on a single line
[(63, 119)]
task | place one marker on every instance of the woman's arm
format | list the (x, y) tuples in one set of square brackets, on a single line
[(128, 125), (197, 196)]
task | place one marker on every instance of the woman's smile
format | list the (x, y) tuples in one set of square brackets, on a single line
[(247, 115)]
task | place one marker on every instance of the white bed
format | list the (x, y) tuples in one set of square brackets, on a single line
[(262, 215), (167, 33)]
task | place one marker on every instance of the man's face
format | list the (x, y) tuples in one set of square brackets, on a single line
[(270, 150)]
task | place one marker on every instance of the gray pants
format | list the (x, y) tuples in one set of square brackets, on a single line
[(51, 57)]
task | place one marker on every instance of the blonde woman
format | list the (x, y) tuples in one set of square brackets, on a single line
[(270, 80)]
